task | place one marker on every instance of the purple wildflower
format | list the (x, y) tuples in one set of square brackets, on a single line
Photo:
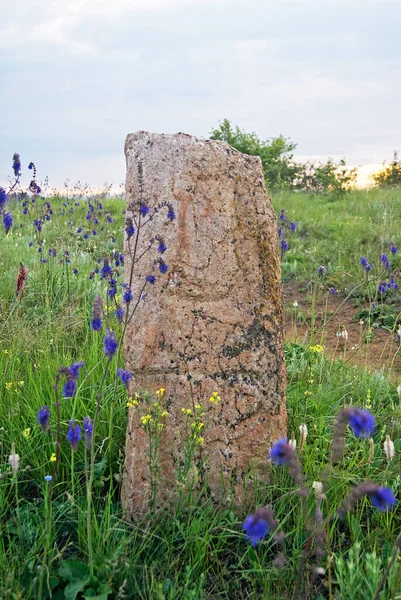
[(283, 216), (332, 291), (127, 296), (256, 527), (162, 247), (280, 452), (162, 266), (119, 313), (143, 209), (284, 247), (7, 221), (393, 249), (70, 387), (382, 287), (322, 270), (280, 232), (171, 214), (16, 165), (110, 344), (293, 227), (75, 368), (384, 259), (74, 434), (3, 197), (44, 418), (150, 279), (362, 422), (383, 498), (125, 376)]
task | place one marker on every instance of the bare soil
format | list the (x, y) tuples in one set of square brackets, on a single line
[(382, 349)]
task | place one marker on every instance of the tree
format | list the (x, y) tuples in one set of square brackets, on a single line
[(275, 153)]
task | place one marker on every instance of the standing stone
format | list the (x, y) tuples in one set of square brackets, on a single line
[(213, 322)]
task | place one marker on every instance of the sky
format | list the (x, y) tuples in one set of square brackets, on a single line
[(78, 75)]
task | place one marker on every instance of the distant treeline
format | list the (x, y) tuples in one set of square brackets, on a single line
[(283, 172)]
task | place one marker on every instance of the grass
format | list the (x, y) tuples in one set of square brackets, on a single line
[(198, 550)]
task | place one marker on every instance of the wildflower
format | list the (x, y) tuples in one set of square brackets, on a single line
[(342, 334), (363, 261), (200, 440), (125, 376), (304, 434), (162, 247), (332, 291), (382, 287), (162, 266), (160, 392), (293, 227), (73, 434), (44, 418), (318, 487), (110, 344), (371, 451), (292, 443), (392, 284), (322, 270), (186, 411), (399, 391), (383, 498), (27, 432), (13, 459), (295, 304), (75, 367), (146, 419), (70, 387), (143, 209), (127, 296), (318, 348), (256, 526), (119, 313), (164, 414), (280, 232), (3, 197), (16, 165), (7, 221), (150, 279), (132, 402), (215, 398), (389, 448), (106, 270), (48, 478), (53, 457), (283, 216), (384, 259), (88, 430), (284, 247), (281, 452), (362, 422), (393, 249), (96, 323), (21, 279), (171, 214)]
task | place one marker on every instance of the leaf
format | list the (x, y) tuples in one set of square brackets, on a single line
[(73, 569), (104, 590), (100, 467), (74, 587)]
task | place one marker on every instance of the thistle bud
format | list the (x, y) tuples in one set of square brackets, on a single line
[(318, 487), (389, 448), (292, 443)]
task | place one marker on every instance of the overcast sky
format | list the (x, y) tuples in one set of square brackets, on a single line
[(78, 76)]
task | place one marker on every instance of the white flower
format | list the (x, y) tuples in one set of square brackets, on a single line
[(304, 430), (389, 448), (13, 459), (318, 487), (292, 443), (399, 391), (342, 334), (295, 304)]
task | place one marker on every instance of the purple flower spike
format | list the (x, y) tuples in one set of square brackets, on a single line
[(74, 434), (70, 387), (75, 367), (44, 418), (362, 422), (150, 279), (125, 376), (7, 221), (110, 344)]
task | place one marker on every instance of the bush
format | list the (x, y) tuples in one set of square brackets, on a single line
[(389, 175)]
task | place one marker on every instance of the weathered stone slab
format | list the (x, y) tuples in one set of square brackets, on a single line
[(214, 322)]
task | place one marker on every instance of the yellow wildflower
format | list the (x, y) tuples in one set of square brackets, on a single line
[(21, 383), (198, 407), (164, 413), (27, 432), (200, 441), (318, 348), (307, 393), (186, 411), (160, 392), (215, 398), (132, 402), (146, 419), (9, 385), (53, 458)]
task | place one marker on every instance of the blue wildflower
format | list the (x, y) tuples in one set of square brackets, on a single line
[(48, 478), (162, 266), (322, 270), (110, 344), (284, 246), (75, 368), (129, 227), (119, 313), (293, 227), (125, 376), (106, 269), (383, 498), (7, 221), (44, 417), (127, 296), (382, 287), (283, 216), (256, 526), (74, 434), (143, 209), (171, 214), (362, 422), (384, 259), (332, 291), (16, 165), (280, 232), (162, 247), (3, 197), (281, 452), (393, 249), (70, 387), (150, 279), (96, 324), (363, 260)]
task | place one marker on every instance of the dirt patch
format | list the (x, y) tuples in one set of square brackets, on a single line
[(342, 335)]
